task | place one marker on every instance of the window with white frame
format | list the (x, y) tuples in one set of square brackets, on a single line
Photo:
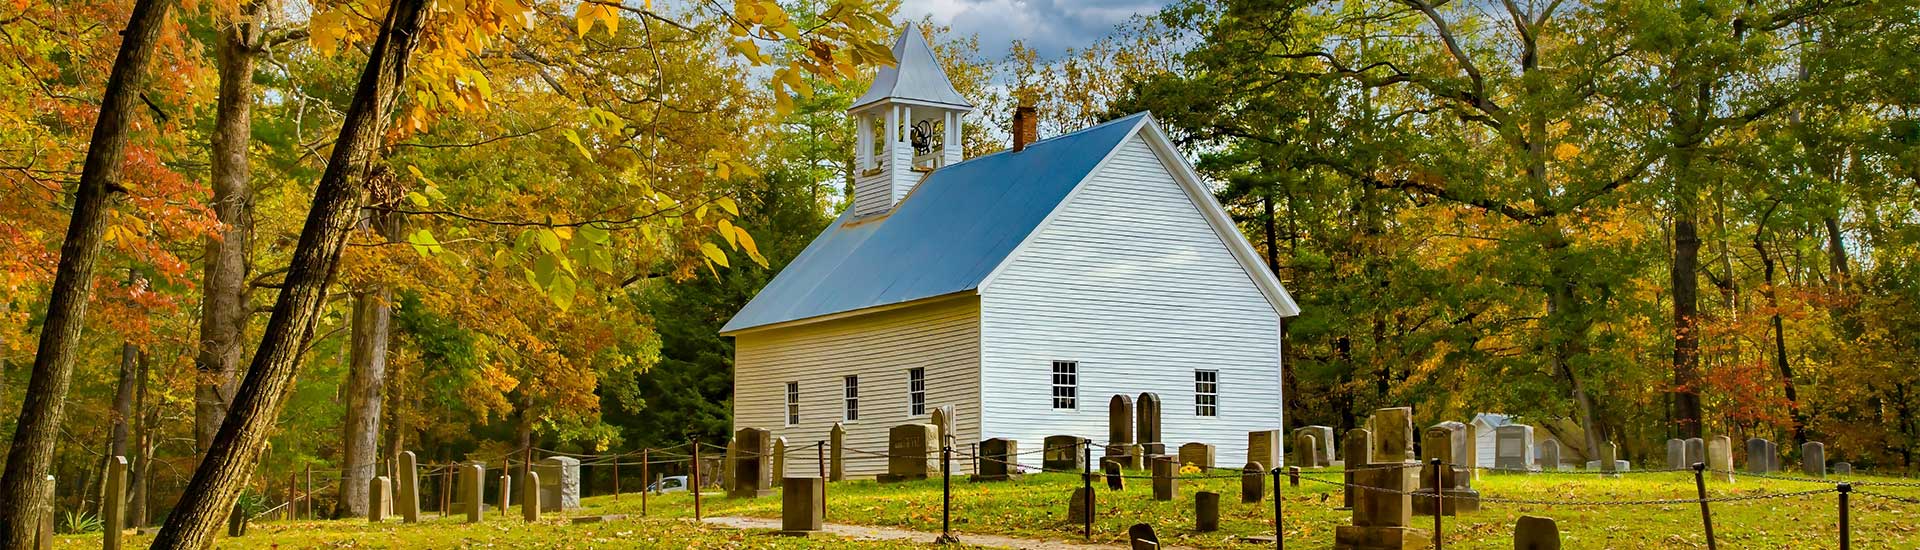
[(793, 403), (916, 391), (850, 392), (1066, 385), (1206, 393)]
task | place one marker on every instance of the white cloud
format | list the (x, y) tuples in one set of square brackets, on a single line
[(1048, 26)]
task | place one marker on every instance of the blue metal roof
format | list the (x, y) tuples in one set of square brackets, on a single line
[(947, 236)]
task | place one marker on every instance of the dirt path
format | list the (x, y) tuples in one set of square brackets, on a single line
[(891, 533)]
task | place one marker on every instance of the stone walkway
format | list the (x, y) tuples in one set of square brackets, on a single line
[(863, 532)]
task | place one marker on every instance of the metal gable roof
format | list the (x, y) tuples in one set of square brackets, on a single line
[(947, 236), (916, 76)]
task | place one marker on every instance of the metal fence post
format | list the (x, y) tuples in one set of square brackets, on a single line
[(820, 448), (1846, 531), (696, 478), (1438, 506), (946, 495), (1086, 481), (645, 479), (1279, 542), (1706, 516)]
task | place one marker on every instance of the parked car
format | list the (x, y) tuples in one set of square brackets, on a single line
[(673, 484)]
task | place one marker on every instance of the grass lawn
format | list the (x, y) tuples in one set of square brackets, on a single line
[(1035, 507)]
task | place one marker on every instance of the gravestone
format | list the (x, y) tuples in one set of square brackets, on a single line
[(1609, 462), (1148, 424), (1063, 453), (837, 463), (472, 487), (1813, 459), (1774, 462), (1323, 445), (1696, 452), (1468, 457), (1393, 434), (998, 460), (1130, 456), (1077, 505), (1536, 533), (1513, 447), (1758, 461), (377, 499), (408, 495), (1140, 537), (390, 494), (779, 461), (1253, 483), (1720, 457), (1383, 509), (113, 514), (1115, 481), (559, 483), (1843, 468), (1677, 454), (803, 503), (1264, 447), (1166, 478), (1550, 455), (909, 448), (751, 458), (1303, 450), (1459, 442), (1358, 449), (1120, 420), (530, 497), (1198, 455), (1453, 484), (1206, 511)]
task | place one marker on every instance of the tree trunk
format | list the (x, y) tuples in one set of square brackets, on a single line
[(1780, 336), (224, 311), (256, 406), (142, 439), (1686, 313), (122, 411), (30, 457), (366, 381)]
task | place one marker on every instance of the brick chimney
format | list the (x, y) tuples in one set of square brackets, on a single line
[(1026, 129)]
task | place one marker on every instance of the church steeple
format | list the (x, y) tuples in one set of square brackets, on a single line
[(908, 122)]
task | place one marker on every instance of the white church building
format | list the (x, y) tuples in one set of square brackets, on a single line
[(1024, 288)]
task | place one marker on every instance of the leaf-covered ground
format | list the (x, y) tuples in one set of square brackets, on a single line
[(1035, 507)]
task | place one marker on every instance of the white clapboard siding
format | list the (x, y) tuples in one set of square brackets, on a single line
[(942, 336), (1131, 281)]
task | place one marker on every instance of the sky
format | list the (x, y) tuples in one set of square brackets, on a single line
[(1048, 26)]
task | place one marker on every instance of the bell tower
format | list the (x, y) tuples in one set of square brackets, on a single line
[(907, 124)]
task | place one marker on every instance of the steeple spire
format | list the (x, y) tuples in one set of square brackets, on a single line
[(908, 123)]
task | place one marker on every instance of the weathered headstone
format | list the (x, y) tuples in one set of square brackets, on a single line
[(751, 458), (1253, 483), (1111, 470), (1843, 468), (1140, 537), (530, 497), (999, 459), (1536, 533), (559, 483), (1166, 477), (1758, 461), (1264, 447), (390, 494), (1677, 454), (1206, 511), (1063, 453), (472, 485), (1383, 510), (1696, 452), (1323, 445), (1077, 505), (1467, 457), (837, 466), (1447, 488), (803, 502), (1393, 434), (408, 495), (1550, 455), (779, 461), (910, 448), (377, 498), (1720, 457), (1358, 449), (1460, 444), (1609, 454), (1813, 459), (1303, 450), (1148, 433), (1775, 463), (1513, 447), (113, 516), (1120, 420), (1196, 454)]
